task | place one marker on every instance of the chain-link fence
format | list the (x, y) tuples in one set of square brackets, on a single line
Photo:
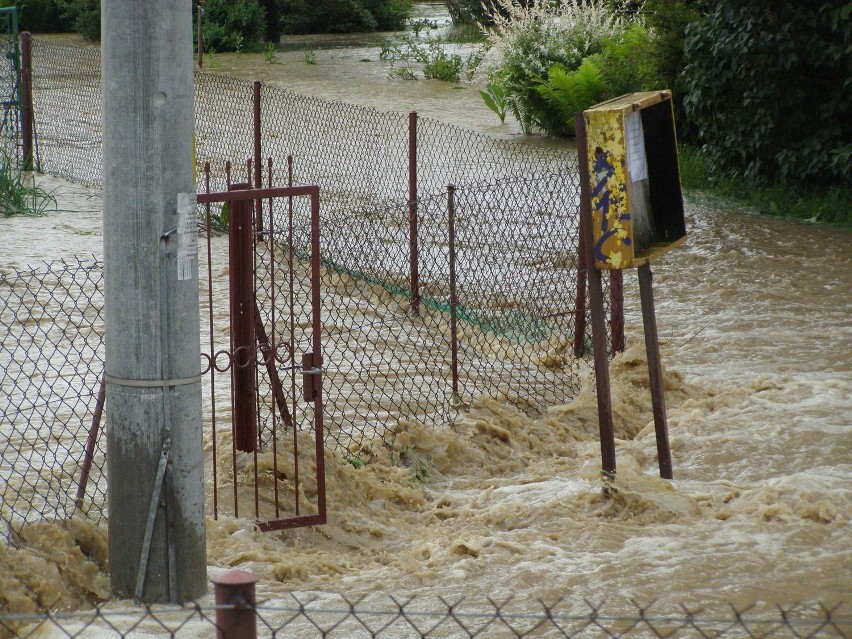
[(10, 83), (487, 307), (51, 361), (495, 306), (392, 617), (67, 110)]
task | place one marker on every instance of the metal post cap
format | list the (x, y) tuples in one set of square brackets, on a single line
[(235, 577)]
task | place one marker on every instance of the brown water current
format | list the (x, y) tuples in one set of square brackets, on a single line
[(755, 321)]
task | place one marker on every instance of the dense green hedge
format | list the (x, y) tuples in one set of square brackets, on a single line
[(59, 16), (40, 16), (233, 25), (343, 16), (768, 87)]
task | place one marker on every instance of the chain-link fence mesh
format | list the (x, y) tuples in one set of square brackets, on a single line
[(391, 617), (51, 362), (10, 82), (67, 110), (487, 310)]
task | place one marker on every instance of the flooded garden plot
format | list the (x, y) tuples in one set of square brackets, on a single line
[(754, 320)]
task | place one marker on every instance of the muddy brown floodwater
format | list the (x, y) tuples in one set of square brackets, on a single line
[(754, 315)]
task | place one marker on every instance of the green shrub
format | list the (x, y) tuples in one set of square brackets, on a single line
[(668, 20), (467, 12), (569, 91), (390, 15), (343, 16), (628, 62), (40, 16), (437, 62), (495, 98), (831, 205), (531, 39), (479, 12), (87, 20), (440, 64), (233, 25), (768, 88), (82, 16)]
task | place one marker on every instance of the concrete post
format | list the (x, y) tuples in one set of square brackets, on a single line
[(153, 403)]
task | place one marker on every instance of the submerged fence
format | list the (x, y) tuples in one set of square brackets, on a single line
[(10, 84), (485, 303), (387, 617), (51, 360)]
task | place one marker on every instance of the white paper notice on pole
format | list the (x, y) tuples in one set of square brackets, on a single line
[(187, 253), (637, 163)]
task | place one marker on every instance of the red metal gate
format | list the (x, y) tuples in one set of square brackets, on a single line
[(265, 372)]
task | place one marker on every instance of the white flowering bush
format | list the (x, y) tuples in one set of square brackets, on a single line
[(529, 37)]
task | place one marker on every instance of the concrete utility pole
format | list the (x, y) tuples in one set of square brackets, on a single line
[(153, 406)]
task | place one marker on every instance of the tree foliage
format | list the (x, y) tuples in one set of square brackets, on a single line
[(343, 16), (473, 12), (59, 16), (40, 16), (233, 25), (467, 12), (768, 86)]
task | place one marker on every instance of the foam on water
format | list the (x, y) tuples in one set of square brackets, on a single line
[(501, 503)]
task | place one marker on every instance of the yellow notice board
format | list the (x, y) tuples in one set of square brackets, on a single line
[(637, 205)]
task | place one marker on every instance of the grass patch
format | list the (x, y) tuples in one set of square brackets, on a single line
[(19, 194), (829, 206)]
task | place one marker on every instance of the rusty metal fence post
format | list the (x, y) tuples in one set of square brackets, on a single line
[(602, 384), (91, 442), (616, 311), (235, 601), (412, 213), (580, 298), (258, 166), (655, 371), (454, 342), (243, 326), (27, 101)]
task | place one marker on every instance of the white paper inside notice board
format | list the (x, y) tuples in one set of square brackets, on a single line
[(637, 163)]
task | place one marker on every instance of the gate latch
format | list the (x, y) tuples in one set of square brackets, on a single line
[(311, 377)]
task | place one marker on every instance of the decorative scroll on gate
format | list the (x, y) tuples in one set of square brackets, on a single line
[(264, 374)]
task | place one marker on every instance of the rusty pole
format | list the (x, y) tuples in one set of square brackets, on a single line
[(655, 371), (258, 179), (91, 442), (412, 213), (27, 101), (243, 326), (454, 342), (616, 311), (235, 602), (596, 300), (580, 298), (316, 306)]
